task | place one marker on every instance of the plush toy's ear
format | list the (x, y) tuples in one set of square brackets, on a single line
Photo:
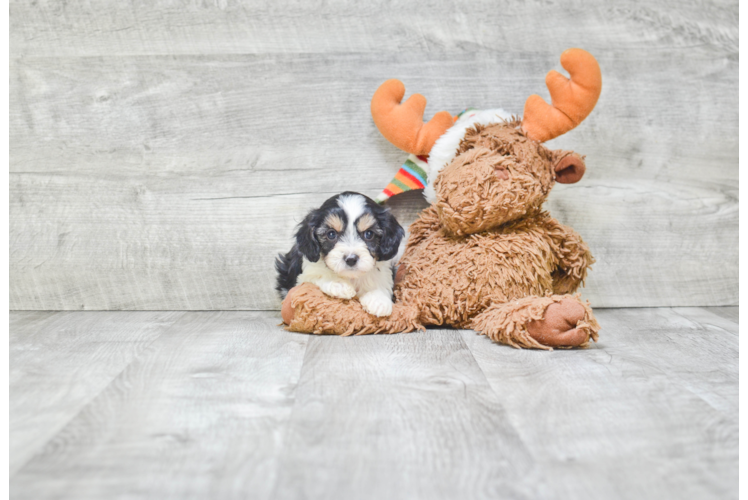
[(305, 239), (569, 167)]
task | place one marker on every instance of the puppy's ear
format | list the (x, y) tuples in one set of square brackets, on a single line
[(305, 239), (392, 234)]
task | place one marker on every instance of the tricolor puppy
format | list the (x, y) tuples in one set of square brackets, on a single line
[(346, 247)]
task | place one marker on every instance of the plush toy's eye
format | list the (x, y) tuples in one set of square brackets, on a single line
[(331, 235), (368, 234)]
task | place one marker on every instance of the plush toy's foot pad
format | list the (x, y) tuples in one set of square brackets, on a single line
[(558, 328), (540, 322), (307, 310)]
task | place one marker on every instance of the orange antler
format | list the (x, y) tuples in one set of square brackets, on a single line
[(573, 99), (402, 124)]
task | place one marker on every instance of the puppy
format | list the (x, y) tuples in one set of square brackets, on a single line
[(347, 247)]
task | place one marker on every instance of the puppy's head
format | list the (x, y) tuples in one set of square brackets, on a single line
[(350, 232)]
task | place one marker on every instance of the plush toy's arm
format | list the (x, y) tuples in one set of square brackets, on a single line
[(307, 310), (573, 255)]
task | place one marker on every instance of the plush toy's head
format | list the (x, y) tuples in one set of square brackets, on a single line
[(488, 168), (499, 175)]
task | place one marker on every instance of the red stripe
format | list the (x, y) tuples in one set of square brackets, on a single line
[(388, 192), (407, 175)]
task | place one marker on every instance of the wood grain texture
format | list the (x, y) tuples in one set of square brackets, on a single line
[(59, 362), (201, 414), (726, 312), (650, 411), (161, 154), (229, 405), (400, 416), (230, 27)]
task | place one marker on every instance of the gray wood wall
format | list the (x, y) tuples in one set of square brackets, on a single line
[(161, 152)]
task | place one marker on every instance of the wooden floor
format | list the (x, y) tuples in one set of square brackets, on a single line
[(227, 405)]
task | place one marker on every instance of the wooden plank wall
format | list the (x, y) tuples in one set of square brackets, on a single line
[(161, 152)]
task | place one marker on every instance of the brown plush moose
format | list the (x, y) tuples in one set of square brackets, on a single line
[(484, 255)]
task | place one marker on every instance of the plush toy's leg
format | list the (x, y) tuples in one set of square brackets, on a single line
[(306, 309), (539, 322)]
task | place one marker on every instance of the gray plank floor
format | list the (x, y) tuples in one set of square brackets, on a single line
[(229, 405)]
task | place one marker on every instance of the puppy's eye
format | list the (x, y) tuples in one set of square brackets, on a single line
[(368, 234), (331, 235)]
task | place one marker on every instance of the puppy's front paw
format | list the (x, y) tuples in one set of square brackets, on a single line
[(377, 303), (338, 289)]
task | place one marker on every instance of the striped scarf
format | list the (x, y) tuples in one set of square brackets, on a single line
[(412, 175)]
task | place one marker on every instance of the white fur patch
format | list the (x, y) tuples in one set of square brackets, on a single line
[(445, 148), (354, 207), (377, 302)]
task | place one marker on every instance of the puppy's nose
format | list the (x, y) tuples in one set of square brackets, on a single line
[(351, 260)]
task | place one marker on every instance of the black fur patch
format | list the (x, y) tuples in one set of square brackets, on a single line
[(388, 230), (289, 268)]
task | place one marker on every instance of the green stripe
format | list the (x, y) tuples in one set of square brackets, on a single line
[(466, 111), (411, 165), (400, 185)]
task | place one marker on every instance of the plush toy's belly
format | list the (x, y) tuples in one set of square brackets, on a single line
[(455, 278)]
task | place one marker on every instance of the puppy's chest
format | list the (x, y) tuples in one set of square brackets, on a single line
[(380, 277)]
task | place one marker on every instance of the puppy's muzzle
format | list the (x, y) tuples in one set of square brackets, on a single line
[(351, 260)]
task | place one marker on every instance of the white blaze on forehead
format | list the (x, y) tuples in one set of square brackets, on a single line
[(354, 207)]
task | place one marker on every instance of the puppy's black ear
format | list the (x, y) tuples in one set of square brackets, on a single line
[(392, 234), (305, 239)]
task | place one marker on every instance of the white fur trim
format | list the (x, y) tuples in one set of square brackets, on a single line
[(445, 148)]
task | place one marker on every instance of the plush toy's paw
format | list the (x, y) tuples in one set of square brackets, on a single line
[(338, 289), (377, 303), (558, 328), (287, 310)]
